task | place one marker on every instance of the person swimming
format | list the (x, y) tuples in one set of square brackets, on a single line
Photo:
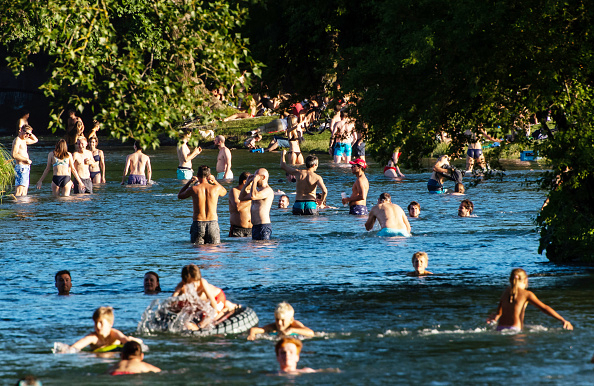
[(513, 302)]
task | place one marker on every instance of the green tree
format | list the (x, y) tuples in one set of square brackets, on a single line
[(140, 66)]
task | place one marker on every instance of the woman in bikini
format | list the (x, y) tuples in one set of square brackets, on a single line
[(97, 171), (392, 170), (63, 167), (295, 156)]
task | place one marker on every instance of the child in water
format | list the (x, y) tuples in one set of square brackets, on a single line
[(132, 361), (193, 280), (420, 261), (514, 300), (287, 351), (284, 324), (104, 335)]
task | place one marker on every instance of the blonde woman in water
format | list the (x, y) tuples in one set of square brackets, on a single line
[(510, 314)]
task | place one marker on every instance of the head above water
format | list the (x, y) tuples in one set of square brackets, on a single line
[(283, 201), (384, 197), (459, 188), (264, 173), (190, 273), (288, 340), (137, 146), (311, 161), (518, 279), (63, 282), (131, 349), (420, 261), (414, 209), (151, 283), (466, 208), (284, 311), (203, 172), (103, 313), (243, 177)]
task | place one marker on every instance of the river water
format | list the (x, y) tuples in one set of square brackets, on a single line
[(372, 322)]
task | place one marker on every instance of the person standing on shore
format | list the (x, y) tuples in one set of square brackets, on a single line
[(223, 159), (261, 194), (185, 157), (22, 167), (137, 163), (205, 197), (239, 211), (357, 200)]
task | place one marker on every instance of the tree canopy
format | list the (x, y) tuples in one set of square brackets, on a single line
[(140, 66)]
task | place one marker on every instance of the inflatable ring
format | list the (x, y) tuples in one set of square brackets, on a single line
[(241, 320)]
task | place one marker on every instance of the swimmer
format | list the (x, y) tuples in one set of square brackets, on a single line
[(414, 209), (357, 200), (420, 260), (63, 282), (287, 354), (192, 280), (458, 189), (283, 202), (137, 163), (390, 216), (285, 323), (132, 361), (307, 183), (151, 283), (104, 335), (510, 313), (466, 208)]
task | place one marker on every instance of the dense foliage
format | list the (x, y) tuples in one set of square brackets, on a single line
[(141, 66)]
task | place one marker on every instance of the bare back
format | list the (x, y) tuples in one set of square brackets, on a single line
[(307, 182), (138, 163), (239, 211), (205, 198), (390, 216), (513, 313)]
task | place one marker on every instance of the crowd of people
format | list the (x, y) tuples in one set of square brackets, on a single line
[(250, 202)]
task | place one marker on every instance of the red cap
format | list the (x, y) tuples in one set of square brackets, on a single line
[(359, 162)]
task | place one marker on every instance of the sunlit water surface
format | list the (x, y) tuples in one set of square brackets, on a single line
[(373, 322)]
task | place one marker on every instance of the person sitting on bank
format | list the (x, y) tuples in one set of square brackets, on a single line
[(63, 282), (137, 162), (284, 324), (390, 216), (185, 157), (133, 361), (307, 183)]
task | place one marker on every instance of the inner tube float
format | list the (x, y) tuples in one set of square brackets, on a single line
[(236, 322)]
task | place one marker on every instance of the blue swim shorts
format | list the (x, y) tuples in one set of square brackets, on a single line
[(305, 208), (342, 149), (262, 232), (434, 186), (358, 210), (474, 153), (22, 173), (391, 232), (184, 173), (136, 179)]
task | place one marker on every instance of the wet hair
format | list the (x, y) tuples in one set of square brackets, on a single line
[(468, 205), (158, 281), (131, 349), (283, 310), (311, 161), (243, 177), (385, 197), (517, 276), (190, 273), (203, 172), (288, 340), (62, 272), (413, 203), (137, 145), (419, 256), (61, 150), (459, 188), (103, 313)]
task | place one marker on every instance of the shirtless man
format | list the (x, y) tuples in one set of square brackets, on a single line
[(343, 135), (333, 122), (435, 183), (137, 163), (63, 282), (239, 211), (390, 216), (185, 157), (307, 182), (83, 159), (223, 159), (205, 197), (73, 128), (357, 200), (257, 190), (22, 167)]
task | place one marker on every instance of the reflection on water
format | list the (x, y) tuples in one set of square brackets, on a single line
[(372, 321)]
